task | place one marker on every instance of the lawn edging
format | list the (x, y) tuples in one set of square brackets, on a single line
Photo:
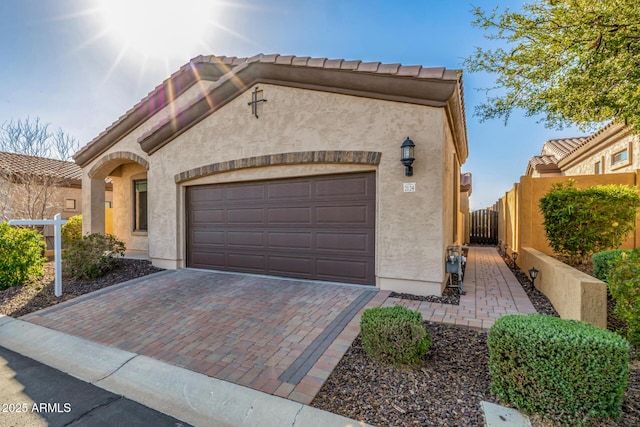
[(574, 294)]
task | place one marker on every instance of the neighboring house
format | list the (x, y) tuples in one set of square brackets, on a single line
[(36, 187), (612, 149), (288, 166)]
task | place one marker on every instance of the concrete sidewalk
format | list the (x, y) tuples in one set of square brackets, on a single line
[(195, 398), (33, 394)]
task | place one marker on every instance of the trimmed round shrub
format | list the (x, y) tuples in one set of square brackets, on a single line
[(570, 372), (72, 230), (624, 286), (92, 256), (394, 335), (21, 257)]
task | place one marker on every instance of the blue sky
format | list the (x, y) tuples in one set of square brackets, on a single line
[(65, 62)]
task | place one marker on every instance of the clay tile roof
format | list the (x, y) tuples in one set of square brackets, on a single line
[(543, 160), (157, 98), (561, 147), (20, 163)]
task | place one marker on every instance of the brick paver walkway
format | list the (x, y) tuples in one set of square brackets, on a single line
[(491, 292), (279, 336)]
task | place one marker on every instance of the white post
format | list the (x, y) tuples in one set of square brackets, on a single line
[(57, 253), (57, 244)]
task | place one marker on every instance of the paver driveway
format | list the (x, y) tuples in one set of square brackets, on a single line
[(278, 336)]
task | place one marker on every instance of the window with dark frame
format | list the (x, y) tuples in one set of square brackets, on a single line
[(140, 205)]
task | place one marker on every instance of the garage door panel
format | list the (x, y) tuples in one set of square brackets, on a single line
[(254, 192), (208, 259), (342, 269), (246, 261), (290, 265), (207, 216), (208, 237), (245, 216), (253, 239), (290, 240), (349, 242), (315, 227), (342, 214), (337, 187), (289, 190), (290, 215)]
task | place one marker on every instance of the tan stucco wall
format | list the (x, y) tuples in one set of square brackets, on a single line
[(409, 229), (584, 165), (574, 294), (412, 229)]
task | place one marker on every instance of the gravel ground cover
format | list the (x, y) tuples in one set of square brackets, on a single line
[(446, 389), (20, 300)]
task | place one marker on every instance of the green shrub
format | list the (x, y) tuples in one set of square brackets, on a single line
[(72, 230), (603, 262), (394, 334), (624, 287), (580, 222), (92, 256), (21, 257), (569, 372)]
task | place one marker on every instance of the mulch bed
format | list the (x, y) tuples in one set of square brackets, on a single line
[(20, 300), (446, 389)]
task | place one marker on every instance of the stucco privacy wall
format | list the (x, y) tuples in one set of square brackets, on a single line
[(574, 294), (409, 226)]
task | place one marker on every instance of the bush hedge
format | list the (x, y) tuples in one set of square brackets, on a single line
[(394, 335), (570, 372), (92, 256), (604, 261), (21, 257), (580, 222), (624, 286), (72, 230)]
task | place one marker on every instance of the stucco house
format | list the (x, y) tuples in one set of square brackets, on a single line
[(612, 149), (288, 166)]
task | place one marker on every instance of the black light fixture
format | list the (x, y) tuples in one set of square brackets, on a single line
[(533, 273), (407, 158), (514, 255)]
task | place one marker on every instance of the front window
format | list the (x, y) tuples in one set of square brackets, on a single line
[(140, 205), (596, 169), (620, 156)]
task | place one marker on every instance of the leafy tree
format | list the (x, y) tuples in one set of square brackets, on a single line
[(571, 61), (580, 222)]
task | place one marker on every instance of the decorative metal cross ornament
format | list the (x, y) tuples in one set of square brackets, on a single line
[(255, 101)]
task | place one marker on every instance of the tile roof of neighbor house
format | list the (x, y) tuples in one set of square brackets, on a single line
[(434, 86), (553, 151), (21, 163)]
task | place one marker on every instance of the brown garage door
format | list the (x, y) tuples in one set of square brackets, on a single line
[(316, 227)]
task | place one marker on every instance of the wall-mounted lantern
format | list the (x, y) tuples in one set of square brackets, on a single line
[(407, 158), (533, 273)]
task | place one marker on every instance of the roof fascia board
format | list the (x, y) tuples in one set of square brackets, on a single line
[(430, 92), (159, 98)]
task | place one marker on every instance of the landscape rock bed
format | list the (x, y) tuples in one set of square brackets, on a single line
[(20, 300)]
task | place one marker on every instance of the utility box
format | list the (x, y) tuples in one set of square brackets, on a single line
[(454, 262)]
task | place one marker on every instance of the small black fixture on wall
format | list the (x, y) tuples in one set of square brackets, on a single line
[(407, 158)]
